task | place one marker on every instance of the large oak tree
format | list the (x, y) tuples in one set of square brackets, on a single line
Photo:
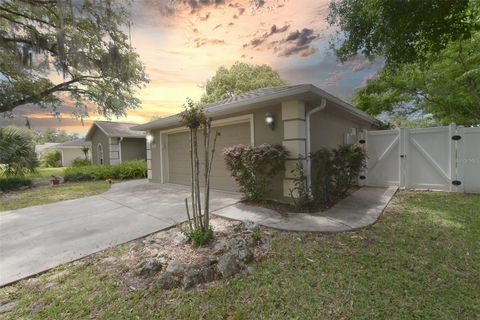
[(53, 50), (400, 31), (431, 50), (239, 78), (448, 89)]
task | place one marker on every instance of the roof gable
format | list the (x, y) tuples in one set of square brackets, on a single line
[(114, 130), (74, 143)]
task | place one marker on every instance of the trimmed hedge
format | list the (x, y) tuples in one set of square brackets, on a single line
[(13, 183), (135, 169), (80, 162)]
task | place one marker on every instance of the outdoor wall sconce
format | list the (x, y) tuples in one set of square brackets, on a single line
[(270, 120), (150, 139)]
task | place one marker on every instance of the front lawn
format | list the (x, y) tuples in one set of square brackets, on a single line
[(43, 174), (420, 260), (47, 194)]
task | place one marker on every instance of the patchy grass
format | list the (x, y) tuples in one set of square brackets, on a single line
[(421, 260), (49, 194), (43, 174)]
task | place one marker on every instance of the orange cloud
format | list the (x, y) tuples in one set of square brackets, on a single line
[(182, 44)]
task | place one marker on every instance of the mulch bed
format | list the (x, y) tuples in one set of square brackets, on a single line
[(285, 209)]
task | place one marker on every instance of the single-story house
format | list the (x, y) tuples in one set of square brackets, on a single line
[(115, 142), (71, 150), (304, 118), (44, 147)]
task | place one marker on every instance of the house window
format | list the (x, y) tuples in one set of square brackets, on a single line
[(100, 153)]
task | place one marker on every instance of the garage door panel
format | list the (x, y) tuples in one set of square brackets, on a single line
[(220, 178)]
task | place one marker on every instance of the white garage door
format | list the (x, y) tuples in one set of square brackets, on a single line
[(179, 156)]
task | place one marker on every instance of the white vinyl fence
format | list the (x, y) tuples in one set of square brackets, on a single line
[(439, 158)]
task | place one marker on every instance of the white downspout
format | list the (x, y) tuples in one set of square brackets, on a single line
[(322, 106)]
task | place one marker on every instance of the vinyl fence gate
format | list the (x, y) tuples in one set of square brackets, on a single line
[(439, 158)]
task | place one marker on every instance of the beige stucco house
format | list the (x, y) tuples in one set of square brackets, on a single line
[(305, 118), (115, 142), (71, 150)]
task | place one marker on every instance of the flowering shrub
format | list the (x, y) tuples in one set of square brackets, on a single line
[(253, 167)]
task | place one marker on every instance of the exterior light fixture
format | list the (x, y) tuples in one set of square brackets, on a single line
[(270, 120), (150, 138)]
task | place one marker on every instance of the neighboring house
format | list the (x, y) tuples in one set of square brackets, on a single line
[(115, 142), (71, 150), (42, 148), (305, 119)]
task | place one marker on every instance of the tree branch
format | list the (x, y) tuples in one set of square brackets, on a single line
[(59, 87), (27, 17)]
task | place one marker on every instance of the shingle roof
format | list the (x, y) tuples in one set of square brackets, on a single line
[(74, 143), (252, 95), (117, 129), (256, 98), (39, 148)]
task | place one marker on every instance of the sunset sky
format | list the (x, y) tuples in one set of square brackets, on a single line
[(182, 45)]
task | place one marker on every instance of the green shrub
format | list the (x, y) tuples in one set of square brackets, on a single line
[(13, 183), (333, 173), (322, 176), (80, 162), (253, 167), (132, 169), (52, 159), (17, 152), (135, 169), (348, 161), (199, 236), (300, 193)]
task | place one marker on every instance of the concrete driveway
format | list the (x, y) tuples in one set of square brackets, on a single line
[(37, 238)]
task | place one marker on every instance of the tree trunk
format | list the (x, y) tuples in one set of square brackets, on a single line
[(197, 178), (192, 165), (206, 143)]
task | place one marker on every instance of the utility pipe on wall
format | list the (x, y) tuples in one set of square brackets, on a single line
[(322, 106)]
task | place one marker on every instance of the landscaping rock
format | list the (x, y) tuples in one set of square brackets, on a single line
[(194, 276), (162, 257), (245, 255), (167, 281), (219, 247), (250, 268), (191, 278), (250, 226), (237, 242), (207, 262), (228, 265), (179, 239), (208, 274), (151, 266), (174, 266)]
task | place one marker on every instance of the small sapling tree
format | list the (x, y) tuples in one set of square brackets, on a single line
[(194, 118), (85, 150)]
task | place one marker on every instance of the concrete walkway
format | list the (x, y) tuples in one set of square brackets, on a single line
[(35, 239), (38, 238), (358, 210)]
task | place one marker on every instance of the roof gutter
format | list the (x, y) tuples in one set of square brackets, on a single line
[(322, 106), (222, 109), (219, 110)]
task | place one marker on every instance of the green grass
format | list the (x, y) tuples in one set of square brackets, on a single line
[(421, 260), (49, 194), (45, 173)]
